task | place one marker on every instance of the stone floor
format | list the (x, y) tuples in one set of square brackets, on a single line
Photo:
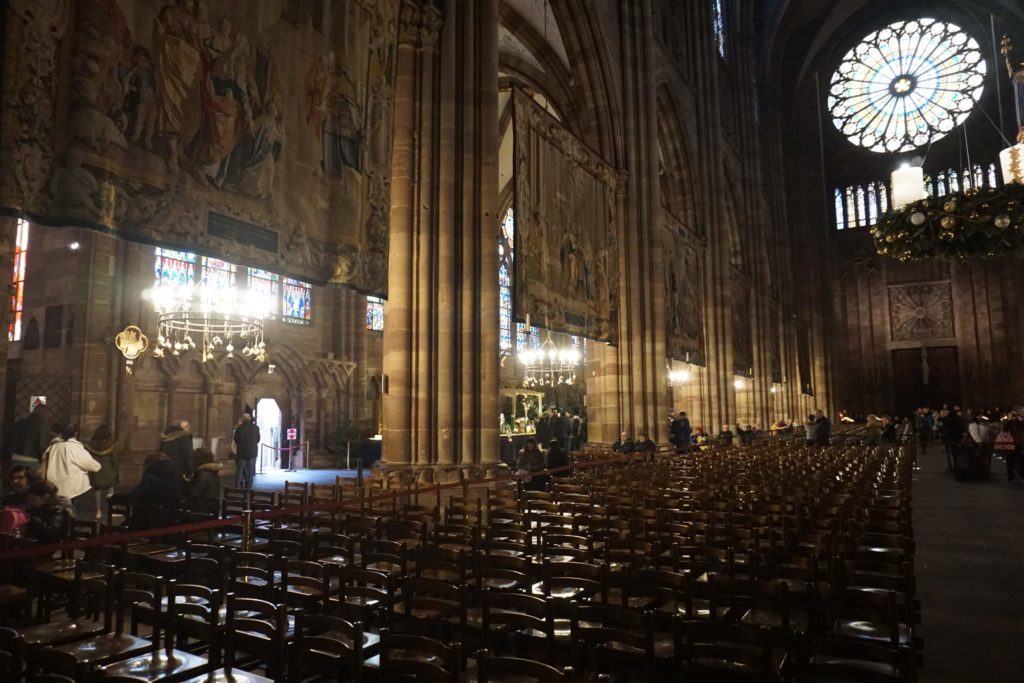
[(970, 571)]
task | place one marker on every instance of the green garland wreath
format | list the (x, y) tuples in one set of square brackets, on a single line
[(960, 226)]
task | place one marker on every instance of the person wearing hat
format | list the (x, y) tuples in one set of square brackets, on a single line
[(247, 443)]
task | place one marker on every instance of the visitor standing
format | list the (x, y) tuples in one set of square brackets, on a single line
[(204, 496), (824, 428), (247, 442), (176, 444), (952, 431), (563, 429), (103, 449), (544, 431), (811, 431), (529, 463), (67, 464), (32, 435), (1006, 446), (681, 431)]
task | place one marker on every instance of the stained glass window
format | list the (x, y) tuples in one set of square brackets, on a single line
[(840, 221), (861, 213), (218, 279), (18, 281), (504, 308), (506, 255), (174, 268), (295, 301), (718, 17), (872, 204), (906, 85), (992, 180), (883, 195), (265, 291), (374, 314)]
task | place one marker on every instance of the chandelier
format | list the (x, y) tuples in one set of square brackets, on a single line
[(548, 365), (207, 318)]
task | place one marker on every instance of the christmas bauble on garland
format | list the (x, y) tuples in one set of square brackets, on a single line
[(965, 225)]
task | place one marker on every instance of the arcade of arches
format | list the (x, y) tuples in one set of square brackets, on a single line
[(396, 281)]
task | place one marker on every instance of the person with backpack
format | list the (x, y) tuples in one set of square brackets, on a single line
[(1006, 446)]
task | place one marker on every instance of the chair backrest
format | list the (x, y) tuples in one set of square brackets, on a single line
[(257, 627), (505, 668), (434, 660), (327, 645)]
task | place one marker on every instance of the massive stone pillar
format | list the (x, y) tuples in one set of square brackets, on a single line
[(641, 299), (441, 327)]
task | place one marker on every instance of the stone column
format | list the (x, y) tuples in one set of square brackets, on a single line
[(441, 327)]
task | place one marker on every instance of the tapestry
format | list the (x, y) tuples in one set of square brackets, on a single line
[(684, 320), (567, 253), (258, 131), (742, 341), (921, 312)]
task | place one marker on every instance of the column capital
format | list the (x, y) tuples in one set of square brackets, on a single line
[(430, 26), (409, 19)]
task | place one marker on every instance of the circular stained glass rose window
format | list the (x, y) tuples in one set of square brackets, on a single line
[(906, 85)]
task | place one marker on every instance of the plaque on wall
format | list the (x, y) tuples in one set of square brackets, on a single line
[(921, 312), (143, 117), (567, 251)]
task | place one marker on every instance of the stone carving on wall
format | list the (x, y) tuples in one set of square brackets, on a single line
[(919, 312), (684, 320), (742, 341), (566, 267), (145, 117)]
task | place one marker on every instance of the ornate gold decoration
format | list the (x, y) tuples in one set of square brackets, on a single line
[(132, 343)]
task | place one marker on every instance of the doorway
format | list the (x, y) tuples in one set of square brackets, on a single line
[(927, 376), (268, 419)]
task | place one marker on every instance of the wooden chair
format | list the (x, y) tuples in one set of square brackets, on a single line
[(609, 639), (420, 658), (359, 594), (329, 646), (525, 620), (433, 608), (258, 628), (514, 668)]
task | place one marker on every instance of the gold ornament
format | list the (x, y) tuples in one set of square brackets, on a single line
[(971, 192), (1002, 221), (950, 206), (890, 239), (132, 343), (948, 222)]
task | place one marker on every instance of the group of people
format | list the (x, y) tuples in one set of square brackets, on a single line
[(558, 425), (970, 438), (532, 460), (53, 475)]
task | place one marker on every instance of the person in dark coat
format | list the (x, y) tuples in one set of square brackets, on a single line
[(247, 443), (19, 479), (531, 460), (159, 485), (558, 457), (48, 514), (562, 428), (645, 445), (31, 437), (176, 444), (204, 496), (624, 444), (952, 431), (544, 430), (824, 427), (681, 431)]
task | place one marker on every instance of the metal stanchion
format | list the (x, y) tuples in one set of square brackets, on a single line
[(247, 524)]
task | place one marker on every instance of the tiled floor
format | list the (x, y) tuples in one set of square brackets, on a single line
[(970, 571)]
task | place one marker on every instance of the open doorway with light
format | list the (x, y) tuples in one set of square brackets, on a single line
[(268, 419)]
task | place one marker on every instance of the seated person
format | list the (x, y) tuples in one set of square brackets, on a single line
[(48, 513), (725, 436), (159, 485), (644, 444), (204, 493), (18, 481), (624, 444)]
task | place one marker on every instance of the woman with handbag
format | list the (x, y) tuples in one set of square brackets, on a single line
[(103, 449)]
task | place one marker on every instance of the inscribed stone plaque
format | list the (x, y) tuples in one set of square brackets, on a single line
[(567, 252), (143, 117), (922, 311)]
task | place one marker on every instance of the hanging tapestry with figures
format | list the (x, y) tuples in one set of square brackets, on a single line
[(684, 299), (566, 266), (258, 129)]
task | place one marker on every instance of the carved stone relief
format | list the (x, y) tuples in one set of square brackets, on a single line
[(920, 312)]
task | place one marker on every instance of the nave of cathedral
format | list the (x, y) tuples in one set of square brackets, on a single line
[(514, 306)]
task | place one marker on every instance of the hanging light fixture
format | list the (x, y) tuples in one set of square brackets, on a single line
[(548, 365), (679, 377), (207, 318)]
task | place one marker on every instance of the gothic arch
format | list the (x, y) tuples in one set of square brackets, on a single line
[(677, 187)]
